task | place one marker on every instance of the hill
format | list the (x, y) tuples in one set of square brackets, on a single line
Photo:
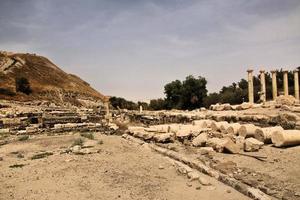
[(47, 81)]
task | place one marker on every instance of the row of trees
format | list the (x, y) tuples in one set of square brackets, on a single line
[(192, 93), (187, 94)]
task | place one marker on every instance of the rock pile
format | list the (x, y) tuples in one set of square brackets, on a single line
[(221, 136)]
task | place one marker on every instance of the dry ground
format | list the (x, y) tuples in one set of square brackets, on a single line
[(120, 170)]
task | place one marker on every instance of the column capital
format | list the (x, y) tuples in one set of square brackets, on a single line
[(273, 71), (262, 71), (295, 70), (285, 71), (250, 70)]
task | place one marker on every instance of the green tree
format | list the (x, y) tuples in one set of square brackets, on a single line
[(188, 94), (157, 104), (173, 92), (118, 102), (193, 92)]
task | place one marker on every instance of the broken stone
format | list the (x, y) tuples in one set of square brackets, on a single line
[(193, 175), (89, 143), (247, 130), (182, 168), (210, 188), (160, 167), (204, 181), (164, 137), (286, 138), (205, 150), (189, 184), (231, 147), (200, 140), (75, 149), (252, 144), (240, 142), (143, 135), (216, 143)]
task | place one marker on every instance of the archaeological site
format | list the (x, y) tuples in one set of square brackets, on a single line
[(92, 106)]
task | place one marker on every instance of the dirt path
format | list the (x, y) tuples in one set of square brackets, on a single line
[(121, 170)]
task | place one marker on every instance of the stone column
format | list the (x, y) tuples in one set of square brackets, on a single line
[(296, 84), (141, 109), (285, 83), (263, 85), (106, 105), (274, 85), (250, 86)]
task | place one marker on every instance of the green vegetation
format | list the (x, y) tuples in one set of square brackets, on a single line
[(23, 137), (78, 141), (88, 135), (7, 92), (23, 85), (192, 93)]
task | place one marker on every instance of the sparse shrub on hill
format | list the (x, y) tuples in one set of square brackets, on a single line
[(7, 92), (23, 85)]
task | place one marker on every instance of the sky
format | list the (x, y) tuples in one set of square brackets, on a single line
[(132, 48)]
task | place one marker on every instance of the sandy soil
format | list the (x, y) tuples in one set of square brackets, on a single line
[(120, 170)]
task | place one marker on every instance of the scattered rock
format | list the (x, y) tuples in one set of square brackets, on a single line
[(204, 181), (200, 140), (75, 149), (160, 167), (231, 147), (198, 188), (252, 144), (193, 175), (216, 143), (189, 184), (165, 137), (205, 150), (210, 188), (89, 143), (182, 168)]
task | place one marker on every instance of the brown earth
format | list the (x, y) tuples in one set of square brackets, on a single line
[(48, 81), (120, 170)]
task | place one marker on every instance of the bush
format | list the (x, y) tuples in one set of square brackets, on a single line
[(78, 141), (23, 85), (87, 135), (7, 92), (23, 138)]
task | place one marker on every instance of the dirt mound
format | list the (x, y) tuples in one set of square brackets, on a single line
[(47, 81), (286, 100)]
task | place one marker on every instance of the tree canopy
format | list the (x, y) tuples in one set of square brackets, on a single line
[(191, 93)]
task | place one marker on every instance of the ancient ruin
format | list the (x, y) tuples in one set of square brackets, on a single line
[(149, 100), (274, 85)]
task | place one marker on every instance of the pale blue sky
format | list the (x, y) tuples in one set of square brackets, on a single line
[(132, 48)]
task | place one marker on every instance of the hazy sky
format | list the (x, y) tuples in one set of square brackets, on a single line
[(132, 48)]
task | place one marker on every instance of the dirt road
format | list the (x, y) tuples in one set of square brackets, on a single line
[(117, 169)]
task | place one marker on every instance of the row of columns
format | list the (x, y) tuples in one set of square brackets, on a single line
[(274, 85)]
